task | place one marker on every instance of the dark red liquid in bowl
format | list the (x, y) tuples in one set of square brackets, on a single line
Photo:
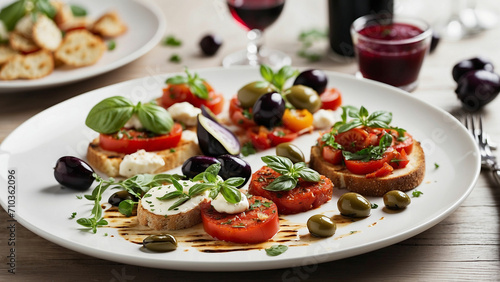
[(394, 64), (257, 14)]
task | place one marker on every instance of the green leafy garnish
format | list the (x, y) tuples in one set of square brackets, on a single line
[(96, 219), (276, 250), (172, 41), (436, 165), (126, 207), (416, 194), (371, 152), (175, 58), (307, 39), (329, 140), (279, 78), (290, 173), (73, 214), (112, 113), (13, 12), (208, 181), (361, 117), (78, 11), (248, 149), (374, 206), (111, 45), (193, 81)]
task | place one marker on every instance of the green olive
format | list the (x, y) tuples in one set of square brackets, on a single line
[(303, 97), (321, 225), (354, 205), (291, 151), (396, 199), (160, 243), (248, 94)]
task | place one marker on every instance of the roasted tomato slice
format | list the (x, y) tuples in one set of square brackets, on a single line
[(405, 144), (215, 102), (353, 140), (281, 135), (129, 141), (331, 99), (257, 224), (385, 170), (331, 155), (400, 159), (306, 196), (238, 115), (297, 120), (362, 167)]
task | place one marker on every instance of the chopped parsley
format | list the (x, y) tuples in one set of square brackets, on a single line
[(416, 194)]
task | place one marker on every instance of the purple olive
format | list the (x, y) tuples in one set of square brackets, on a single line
[(465, 66), (121, 196), (214, 139), (232, 166), (196, 165), (269, 109), (316, 79), (73, 173), (477, 88), (210, 44)]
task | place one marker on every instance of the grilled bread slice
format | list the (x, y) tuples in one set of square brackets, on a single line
[(401, 179), (109, 162)]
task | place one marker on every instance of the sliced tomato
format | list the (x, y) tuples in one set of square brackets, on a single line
[(406, 144), (331, 99), (176, 93), (353, 140), (297, 120), (331, 155), (238, 115), (257, 224), (215, 102), (129, 141), (385, 170), (281, 135), (259, 135), (305, 196), (400, 159), (361, 167)]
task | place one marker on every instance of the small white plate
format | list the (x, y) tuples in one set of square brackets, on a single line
[(146, 26), (43, 207)]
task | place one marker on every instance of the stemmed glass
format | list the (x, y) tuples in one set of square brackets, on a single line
[(255, 16)]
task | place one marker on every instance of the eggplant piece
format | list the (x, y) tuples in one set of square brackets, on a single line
[(215, 140)]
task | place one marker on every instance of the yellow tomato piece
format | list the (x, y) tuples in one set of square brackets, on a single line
[(297, 120)]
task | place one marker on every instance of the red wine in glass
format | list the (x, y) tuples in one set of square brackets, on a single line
[(256, 14)]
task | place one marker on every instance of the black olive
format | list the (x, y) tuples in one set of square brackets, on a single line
[(196, 165), (232, 166), (468, 65), (210, 44), (477, 88), (316, 79), (73, 173), (121, 196), (269, 109)]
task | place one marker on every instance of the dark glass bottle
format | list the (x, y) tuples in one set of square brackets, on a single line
[(342, 13)]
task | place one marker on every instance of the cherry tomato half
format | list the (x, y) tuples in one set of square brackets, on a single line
[(297, 120), (331, 99)]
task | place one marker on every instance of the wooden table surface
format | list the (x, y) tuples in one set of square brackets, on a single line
[(464, 246)]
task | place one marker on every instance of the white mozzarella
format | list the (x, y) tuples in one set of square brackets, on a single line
[(140, 162)]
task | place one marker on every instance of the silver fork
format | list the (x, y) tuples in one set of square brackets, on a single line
[(488, 160)]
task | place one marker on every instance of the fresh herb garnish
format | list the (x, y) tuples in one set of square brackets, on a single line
[(112, 113), (307, 39), (208, 181), (111, 45), (194, 82), (175, 58), (79, 197), (172, 41), (276, 250), (78, 11), (279, 78), (436, 165), (361, 117), (73, 214), (416, 194), (248, 149), (12, 13), (374, 206), (329, 140), (371, 152), (96, 219), (290, 173)]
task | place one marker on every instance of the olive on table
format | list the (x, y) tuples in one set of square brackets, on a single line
[(465, 66), (73, 173), (268, 110), (316, 79), (303, 97), (477, 88), (160, 243), (232, 166), (291, 151), (197, 164), (321, 225), (116, 198), (210, 44), (354, 205), (248, 94), (396, 199)]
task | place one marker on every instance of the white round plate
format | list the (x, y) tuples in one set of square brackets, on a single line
[(44, 208), (145, 28)]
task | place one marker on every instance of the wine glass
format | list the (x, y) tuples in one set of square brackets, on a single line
[(255, 16)]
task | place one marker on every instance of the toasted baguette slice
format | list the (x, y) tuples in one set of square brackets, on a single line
[(80, 48), (109, 25), (31, 66), (46, 34), (6, 53), (401, 179), (22, 44), (109, 162)]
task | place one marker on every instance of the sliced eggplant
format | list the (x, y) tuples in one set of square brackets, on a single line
[(216, 140), (206, 112)]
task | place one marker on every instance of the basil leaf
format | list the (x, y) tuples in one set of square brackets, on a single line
[(183, 198), (214, 192), (309, 174), (12, 13), (213, 170), (101, 222), (261, 84), (170, 195), (109, 115), (179, 79), (45, 7), (235, 181), (350, 125), (276, 250), (155, 118), (282, 183), (126, 207), (267, 73), (84, 222), (199, 89), (200, 176), (232, 195), (78, 11), (377, 123), (199, 188), (363, 112), (383, 116), (279, 164)]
